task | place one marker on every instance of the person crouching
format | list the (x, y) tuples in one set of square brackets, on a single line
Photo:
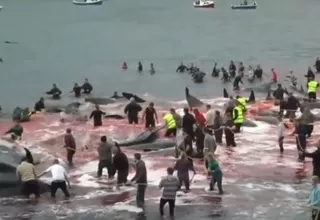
[(59, 179), (170, 124), (170, 185), (121, 164)]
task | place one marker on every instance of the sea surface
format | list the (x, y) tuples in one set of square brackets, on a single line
[(58, 42), (61, 43)]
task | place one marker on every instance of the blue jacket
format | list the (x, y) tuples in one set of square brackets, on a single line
[(314, 197)]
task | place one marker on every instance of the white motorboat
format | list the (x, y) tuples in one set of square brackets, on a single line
[(0, 7), (88, 2), (203, 4)]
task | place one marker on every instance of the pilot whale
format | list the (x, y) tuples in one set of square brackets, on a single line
[(9, 160)]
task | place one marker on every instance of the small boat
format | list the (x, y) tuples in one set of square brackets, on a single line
[(252, 6), (203, 4), (88, 2), (0, 7)]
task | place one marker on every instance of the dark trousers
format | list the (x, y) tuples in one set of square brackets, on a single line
[(229, 137), (216, 177), (184, 179), (315, 215), (290, 113), (97, 123), (55, 185), (141, 190), (280, 141), (122, 176), (70, 154), (150, 123), (105, 164), (218, 135), (309, 129), (312, 95), (238, 127), (30, 187), (301, 145), (133, 119), (171, 131), (163, 202)]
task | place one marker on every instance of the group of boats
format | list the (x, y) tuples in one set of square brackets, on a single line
[(211, 4), (196, 4)]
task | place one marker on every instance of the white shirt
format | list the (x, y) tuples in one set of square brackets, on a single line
[(281, 129), (210, 115), (58, 172)]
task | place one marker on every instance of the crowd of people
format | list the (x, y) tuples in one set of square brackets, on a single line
[(204, 129)]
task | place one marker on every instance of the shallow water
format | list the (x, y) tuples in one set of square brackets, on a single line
[(258, 181)]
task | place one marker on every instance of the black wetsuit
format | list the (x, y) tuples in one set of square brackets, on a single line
[(97, 117), (301, 140), (232, 70), (87, 88), (241, 70), (39, 106), (181, 69), (188, 121), (258, 73), (315, 162), (77, 91), (150, 117), (310, 74), (199, 135), (121, 164), (215, 72), (132, 110), (291, 106), (278, 93), (225, 76), (317, 65), (55, 92), (140, 68), (236, 82)]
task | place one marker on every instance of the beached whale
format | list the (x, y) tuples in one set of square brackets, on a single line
[(130, 95), (159, 144), (193, 102), (268, 119), (9, 160), (248, 123), (143, 138), (100, 101)]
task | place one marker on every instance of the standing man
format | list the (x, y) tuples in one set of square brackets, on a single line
[(188, 123), (132, 110), (105, 157), (210, 115), (217, 127), (70, 145), (170, 185), (150, 116), (315, 160), (141, 179), (28, 178), (97, 116), (60, 178), (312, 87), (121, 164), (238, 117), (301, 140)]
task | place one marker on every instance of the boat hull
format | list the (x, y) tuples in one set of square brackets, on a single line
[(208, 4), (99, 2), (243, 7)]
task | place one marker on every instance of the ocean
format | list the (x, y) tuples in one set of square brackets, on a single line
[(58, 42)]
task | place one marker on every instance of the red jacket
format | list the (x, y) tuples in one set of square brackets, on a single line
[(200, 119)]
